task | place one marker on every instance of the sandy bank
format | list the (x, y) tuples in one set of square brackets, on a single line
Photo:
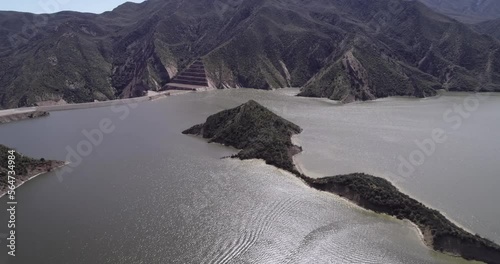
[(35, 172)]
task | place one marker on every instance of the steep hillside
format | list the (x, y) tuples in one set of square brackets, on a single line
[(345, 50), (24, 168), (61, 57), (468, 11), (86, 57), (490, 27), (413, 52)]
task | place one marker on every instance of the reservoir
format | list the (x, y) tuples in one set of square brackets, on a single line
[(148, 194)]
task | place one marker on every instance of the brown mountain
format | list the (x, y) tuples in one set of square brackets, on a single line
[(346, 50), (490, 27)]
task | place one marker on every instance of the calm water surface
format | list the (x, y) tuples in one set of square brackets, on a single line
[(149, 194)]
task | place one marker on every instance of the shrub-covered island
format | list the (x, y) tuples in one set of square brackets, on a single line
[(261, 134), (25, 168), (258, 132)]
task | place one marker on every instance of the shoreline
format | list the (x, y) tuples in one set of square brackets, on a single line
[(302, 170), (413, 226), (372, 193), (352, 204), (434, 229), (19, 183), (403, 190), (6, 113), (295, 163), (300, 166), (152, 96), (426, 239), (14, 116), (423, 239), (146, 98)]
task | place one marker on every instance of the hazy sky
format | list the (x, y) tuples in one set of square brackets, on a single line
[(52, 6)]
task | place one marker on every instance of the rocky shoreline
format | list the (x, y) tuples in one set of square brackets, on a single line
[(18, 114), (26, 168), (261, 134), (256, 131), (22, 116)]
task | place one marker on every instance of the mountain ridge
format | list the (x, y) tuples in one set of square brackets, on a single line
[(490, 27), (343, 50), (467, 11)]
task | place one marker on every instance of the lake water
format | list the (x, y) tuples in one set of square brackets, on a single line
[(148, 194)]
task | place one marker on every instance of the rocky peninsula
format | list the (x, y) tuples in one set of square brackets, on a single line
[(380, 196), (261, 134), (26, 168)]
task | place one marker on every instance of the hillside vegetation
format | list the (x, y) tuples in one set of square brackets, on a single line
[(344, 50), (256, 131), (24, 167), (490, 27), (381, 196)]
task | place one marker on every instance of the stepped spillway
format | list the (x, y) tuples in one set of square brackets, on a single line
[(193, 78)]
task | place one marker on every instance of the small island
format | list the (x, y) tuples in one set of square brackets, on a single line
[(26, 168), (261, 134), (258, 132)]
